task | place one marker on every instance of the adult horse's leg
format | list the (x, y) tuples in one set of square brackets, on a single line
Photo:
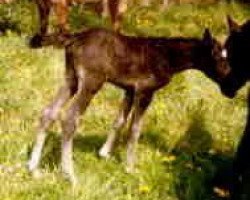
[(88, 85), (145, 2), (62, 12), (105, 8), (114, 7), (241, 162), (44, 8), (165, 5), (141, 103), (119, 124), (51, 112)]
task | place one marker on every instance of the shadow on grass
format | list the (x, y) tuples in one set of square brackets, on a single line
[(198, 170)]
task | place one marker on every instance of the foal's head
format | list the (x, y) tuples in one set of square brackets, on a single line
[(212, 58), (238, 47)]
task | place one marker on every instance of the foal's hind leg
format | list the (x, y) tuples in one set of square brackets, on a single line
[(141, 103), (49, 114), (125, 109), (88, 86)]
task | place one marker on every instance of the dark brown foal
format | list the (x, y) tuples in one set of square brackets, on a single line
[(139, 66)]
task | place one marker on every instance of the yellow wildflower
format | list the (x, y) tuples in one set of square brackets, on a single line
[(144, 189), (169, 158)]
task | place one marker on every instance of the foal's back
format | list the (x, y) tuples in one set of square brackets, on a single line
[(131, 61)]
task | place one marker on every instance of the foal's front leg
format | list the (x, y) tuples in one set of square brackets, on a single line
[(119, 124), (141, 103), (87, 87), (49, 114)]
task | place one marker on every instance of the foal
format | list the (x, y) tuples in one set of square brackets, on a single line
[(140, 66), (61, 9)]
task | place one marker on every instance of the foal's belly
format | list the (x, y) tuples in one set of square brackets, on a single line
[(138, 83)]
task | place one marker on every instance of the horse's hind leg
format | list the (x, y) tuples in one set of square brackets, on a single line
[(121, 120), (89, 84), (141, 102)]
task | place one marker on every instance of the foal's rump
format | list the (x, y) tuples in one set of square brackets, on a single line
[(62, 40)]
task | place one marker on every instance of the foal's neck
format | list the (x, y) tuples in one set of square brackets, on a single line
[(182, 53)]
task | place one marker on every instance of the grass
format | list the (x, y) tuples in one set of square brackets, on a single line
[(190, 131)]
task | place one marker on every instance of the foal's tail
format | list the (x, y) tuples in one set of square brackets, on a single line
[(55, 39)]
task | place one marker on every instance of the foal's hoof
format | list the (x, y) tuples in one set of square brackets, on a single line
[(33, 170), (71, 179), (36, 174), (130, 170), (103, 153)]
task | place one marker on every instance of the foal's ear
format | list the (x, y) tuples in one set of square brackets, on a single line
[(233, 26), (207, 37)]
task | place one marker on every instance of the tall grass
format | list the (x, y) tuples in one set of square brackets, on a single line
[(190, 130)]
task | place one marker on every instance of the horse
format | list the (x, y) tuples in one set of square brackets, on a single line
[(237, 46), (62, 8), (6, 1), (138, 65), (114, 8)]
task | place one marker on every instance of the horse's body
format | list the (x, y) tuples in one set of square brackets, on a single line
[(238, 48), (139, 66)]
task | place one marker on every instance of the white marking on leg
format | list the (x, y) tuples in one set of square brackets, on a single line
[(110, 142), (37, 151), (131, 148), (67, 162)]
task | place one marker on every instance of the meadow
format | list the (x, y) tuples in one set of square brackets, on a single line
[(190, 130)]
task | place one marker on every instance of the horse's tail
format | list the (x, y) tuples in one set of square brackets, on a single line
[(55, 39)]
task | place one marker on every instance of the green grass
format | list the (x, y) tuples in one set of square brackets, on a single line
[(189, 131)]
